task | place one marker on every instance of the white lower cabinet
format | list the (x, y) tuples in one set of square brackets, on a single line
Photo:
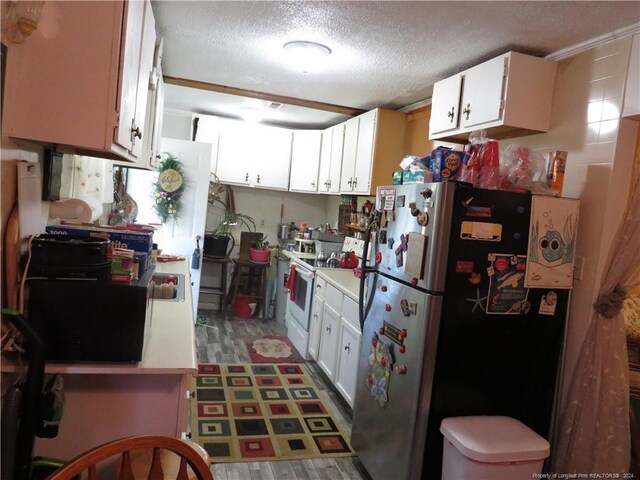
[(336, 339), (329, 341), (348, 353)]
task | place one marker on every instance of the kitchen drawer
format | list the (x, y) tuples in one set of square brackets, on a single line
[(321, 287), (333, 297), (350, 312)]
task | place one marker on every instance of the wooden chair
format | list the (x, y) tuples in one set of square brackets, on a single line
[(89, 460)]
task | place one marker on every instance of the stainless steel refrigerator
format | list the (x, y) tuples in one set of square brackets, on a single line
[(449, 328)]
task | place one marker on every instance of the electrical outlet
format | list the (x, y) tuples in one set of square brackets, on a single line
[(578, 266), (262, 223)]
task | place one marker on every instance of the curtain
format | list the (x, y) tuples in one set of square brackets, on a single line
[(593, 436)]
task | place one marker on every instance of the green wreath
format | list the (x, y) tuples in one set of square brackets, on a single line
[(168, 189)]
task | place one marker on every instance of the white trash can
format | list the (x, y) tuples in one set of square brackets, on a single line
[(491, 447)]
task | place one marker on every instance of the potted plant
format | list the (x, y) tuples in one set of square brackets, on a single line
[(219, 240), (259, 250)]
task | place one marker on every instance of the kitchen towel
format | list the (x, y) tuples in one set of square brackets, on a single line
[(291, 282)]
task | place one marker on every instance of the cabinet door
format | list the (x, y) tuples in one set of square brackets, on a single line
[(324, 172), (483, 93), (235, 152), (130, 64), (329, 341), (272, 159), (337, 142), (349, 150), (364, 154), (305, 160), (445, 103), (209, 131), (347, 366), (144, 79), (315, 327)]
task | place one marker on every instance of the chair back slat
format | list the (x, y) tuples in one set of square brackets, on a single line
[(182, 473), (126, 471), (155, 472)]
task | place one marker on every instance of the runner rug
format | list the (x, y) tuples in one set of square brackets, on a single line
[(272, 349), (252, 412)]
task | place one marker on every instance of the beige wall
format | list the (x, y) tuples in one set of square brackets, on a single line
[(586, 122)]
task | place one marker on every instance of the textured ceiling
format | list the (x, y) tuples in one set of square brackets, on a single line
[(384, 53)]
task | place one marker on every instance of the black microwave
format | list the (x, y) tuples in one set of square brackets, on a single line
[(90, 321)]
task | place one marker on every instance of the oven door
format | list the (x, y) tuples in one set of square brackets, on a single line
[(300, 307)]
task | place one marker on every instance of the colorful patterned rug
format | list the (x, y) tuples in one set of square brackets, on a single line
[(272, 349), (246, 413)]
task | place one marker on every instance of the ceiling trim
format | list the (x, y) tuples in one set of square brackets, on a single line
[(299, 102), (594, 42), (415, 106)]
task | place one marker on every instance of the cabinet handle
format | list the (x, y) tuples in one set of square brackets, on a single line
[(328, 329), (467, 110), (192, 394), (329, 184), (350, 182), (348, 347), (258, 179), (313, 184), (315, 315), (451, 114), (136, 132), (355, 182), (246, 177), (318, 286)]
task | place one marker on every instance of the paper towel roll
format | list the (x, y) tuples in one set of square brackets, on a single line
[(84, 209)]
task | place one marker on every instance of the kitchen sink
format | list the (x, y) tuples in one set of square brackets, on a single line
[(168, 286)]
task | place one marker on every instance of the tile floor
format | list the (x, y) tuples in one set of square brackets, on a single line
[(219, 339)]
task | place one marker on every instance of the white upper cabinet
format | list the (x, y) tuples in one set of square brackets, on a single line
[(331, 159), (208, 131), (254, 155), (508, 96), (373, 149), (445, 102), (305, 160), (87, 86), (349, 152)]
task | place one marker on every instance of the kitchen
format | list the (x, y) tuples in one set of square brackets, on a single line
[(596, 158)]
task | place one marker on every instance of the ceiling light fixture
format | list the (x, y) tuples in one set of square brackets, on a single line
[(307, 56), (252, 114)]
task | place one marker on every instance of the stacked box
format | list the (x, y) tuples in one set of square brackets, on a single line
[(137, 240)]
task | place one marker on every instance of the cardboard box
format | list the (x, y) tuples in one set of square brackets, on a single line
[(397, 178), (445, 163), (422, 176), (138, 240)]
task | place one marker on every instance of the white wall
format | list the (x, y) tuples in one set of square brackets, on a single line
[(587, 102)]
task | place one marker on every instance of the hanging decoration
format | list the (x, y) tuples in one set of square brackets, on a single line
[(168, 189)]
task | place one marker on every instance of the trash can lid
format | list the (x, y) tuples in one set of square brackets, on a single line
[(494, 439)]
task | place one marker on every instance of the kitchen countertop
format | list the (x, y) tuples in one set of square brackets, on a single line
[(343, 279), (170, 347)]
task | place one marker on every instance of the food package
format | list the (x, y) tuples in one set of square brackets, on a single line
[(522, 168), (445, 163)]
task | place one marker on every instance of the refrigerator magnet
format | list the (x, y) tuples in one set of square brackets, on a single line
[(548, 303), (400, 200)]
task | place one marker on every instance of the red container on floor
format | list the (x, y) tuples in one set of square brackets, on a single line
[(243, 306)]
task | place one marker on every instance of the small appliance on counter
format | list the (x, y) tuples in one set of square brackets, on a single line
[(82, 316), (84, 321)]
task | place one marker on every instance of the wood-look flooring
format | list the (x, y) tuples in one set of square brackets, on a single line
[(219, 339)]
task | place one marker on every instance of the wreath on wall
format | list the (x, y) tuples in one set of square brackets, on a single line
[(168, 189)]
